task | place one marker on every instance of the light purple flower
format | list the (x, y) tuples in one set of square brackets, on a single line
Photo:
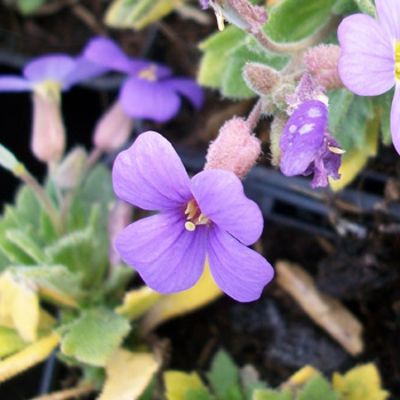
[(369, 64), (206, 216), (307, 147), (150, 91)]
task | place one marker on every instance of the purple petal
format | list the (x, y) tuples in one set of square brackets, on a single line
[(167, 256), (239, 271), (107, 54), (187, 88), (142, 98), (84, 70), (54, 67), (395, 119), (303, 137), (389, 17), (12, 83), (204, 4), (366, 64), (220, 197), (150, 175)]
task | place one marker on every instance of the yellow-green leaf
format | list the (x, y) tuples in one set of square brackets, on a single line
[(355, 159), (137, 14), (19, 303), (204, 292), (137, 302), (128, 375), (10, 342), (360, 383), (178, 383), (28, 357)]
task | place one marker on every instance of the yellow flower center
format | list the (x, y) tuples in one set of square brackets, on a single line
[(49, 89), (397, 60), (194, 216), (149, 73)]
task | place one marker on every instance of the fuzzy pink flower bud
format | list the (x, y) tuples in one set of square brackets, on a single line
[(322, 63), (48, 133), (113, 129), (235, 149), (261, 78)]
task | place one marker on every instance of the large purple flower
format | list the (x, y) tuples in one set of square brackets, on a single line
[(307, 147), (206, 216), (370, 56), (150, 91)]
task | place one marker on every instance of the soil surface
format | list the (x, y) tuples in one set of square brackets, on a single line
[(356, 263)]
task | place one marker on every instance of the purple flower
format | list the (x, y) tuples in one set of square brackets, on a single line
[(46, 77), (206, 216), (150, 91), (307, 147), (369, 64)]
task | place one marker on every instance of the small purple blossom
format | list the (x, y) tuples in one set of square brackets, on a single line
[(150, 91), (205, 216), (369, 64), (307, 147)]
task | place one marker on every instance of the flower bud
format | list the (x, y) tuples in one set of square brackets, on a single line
[(48, 133), (322, 63), (235, 149), (113, 129), (260, 78)]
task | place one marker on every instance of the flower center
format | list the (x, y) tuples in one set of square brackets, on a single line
[(149, 73), (397, 60), (194, 216), (49, 89)]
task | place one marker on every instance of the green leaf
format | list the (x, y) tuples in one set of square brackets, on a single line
[(95, 336), (29, 6), (224, 377), (290, 21), (198, 394), (10, 341), (267, 394), (181, 385), (384, 104), (344, 7), (316, 389), (9, 161), (27, 244), (138, 14)]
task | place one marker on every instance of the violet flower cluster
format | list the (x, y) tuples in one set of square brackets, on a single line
[(369, 64), (207, 216)]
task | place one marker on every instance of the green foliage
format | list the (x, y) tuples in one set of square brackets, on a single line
[(94, 336), (225, 54), (289, 21), (316, 389), (27, 7), (269, 394)]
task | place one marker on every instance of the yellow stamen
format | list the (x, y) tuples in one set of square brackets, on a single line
[(149, 74), (397, 60)]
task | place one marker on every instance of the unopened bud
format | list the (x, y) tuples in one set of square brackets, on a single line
[(113, 129), (238, 12), (235, 149), (281, 94), (69, 173), (260, 78), (119, 217), (48, 133), (322, 63)]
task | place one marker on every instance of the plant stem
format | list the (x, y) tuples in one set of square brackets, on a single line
[(43, 198), (68, 393), (254, 116), (295, 47)]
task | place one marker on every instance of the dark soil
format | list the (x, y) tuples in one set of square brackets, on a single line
[(358, 263)]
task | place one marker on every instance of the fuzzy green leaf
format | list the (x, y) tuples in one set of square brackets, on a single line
[(290, 21), (95, 336), (267, 394), (316, 389)]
